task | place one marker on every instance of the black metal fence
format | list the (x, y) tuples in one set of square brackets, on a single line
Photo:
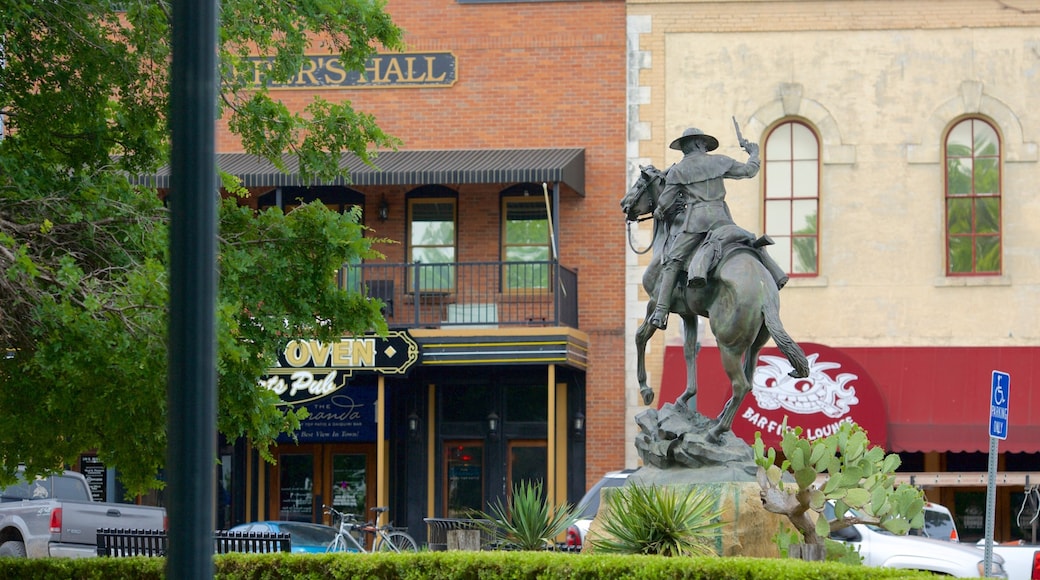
[(473, 294), (123, 543)]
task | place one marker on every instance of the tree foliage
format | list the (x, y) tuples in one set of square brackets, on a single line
[(84, 93)]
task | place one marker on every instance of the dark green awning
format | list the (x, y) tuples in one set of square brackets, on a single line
[(463, 166)]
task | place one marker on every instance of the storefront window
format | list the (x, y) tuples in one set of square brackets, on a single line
[(464, 477), (349, 488), (1025, 515), (528, 461), (527, 404), (461, 404), (970, 513), (296, 487)]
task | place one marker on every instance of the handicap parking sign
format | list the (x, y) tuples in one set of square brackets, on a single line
[(1000, 391)]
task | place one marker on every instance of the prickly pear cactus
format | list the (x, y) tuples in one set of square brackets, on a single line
[(859, 481)]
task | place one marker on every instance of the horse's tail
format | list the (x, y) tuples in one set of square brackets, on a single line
[(786, 344)]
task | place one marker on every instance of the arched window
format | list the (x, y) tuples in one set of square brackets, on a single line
[(972, 195), (792, 197)]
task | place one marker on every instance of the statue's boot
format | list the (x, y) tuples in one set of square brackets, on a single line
[(701, 263), (659, 319)]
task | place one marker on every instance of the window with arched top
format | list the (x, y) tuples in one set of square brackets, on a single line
[(791, 174), (972, 195)]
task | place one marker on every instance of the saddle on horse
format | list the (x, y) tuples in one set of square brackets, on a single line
[(722, 241)]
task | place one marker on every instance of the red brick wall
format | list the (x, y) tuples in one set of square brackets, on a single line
[(528, 75)]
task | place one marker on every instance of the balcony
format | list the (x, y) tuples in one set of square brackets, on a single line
[(469, 295)]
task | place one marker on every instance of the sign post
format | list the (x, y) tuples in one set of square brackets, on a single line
[(999, 395)]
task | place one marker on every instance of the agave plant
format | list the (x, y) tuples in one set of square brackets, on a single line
[(527, 521), (669, 521)]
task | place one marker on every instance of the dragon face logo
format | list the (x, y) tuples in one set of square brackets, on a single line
[(837, 390), (818, 393)]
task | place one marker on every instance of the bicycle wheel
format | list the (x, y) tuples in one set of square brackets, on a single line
[(337, 545), (397, 541)]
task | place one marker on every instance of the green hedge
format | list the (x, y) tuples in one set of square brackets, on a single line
[(454, 565)]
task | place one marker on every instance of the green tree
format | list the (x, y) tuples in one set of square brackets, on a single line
[(83, 252)]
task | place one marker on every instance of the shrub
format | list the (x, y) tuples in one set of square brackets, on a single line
[(669, 521), (527, 521)]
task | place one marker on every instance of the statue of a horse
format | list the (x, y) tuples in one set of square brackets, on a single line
[(741, 302)]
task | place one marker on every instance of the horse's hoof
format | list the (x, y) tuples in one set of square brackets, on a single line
[(647, 394)]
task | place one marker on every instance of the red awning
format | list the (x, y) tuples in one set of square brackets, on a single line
[(936, 398)]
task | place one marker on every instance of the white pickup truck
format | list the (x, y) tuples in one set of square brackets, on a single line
[(56, 516), (1021, 561), (879, 547)]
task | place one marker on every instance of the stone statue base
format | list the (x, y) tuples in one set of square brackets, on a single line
[(677, 436), (673, 444), (748, 529)]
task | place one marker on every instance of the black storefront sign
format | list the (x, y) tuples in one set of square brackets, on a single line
[(316, 375)]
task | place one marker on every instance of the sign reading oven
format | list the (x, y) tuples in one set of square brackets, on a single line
[(310, 369)]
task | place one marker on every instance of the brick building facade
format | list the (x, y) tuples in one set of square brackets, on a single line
[(499, 107)]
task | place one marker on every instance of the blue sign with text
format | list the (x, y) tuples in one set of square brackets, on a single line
[(1000, 394)]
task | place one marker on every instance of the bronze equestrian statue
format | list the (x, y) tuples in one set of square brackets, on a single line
[(693, 203), (740, 293)]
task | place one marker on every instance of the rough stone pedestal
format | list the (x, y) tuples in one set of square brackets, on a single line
[(676, 451)]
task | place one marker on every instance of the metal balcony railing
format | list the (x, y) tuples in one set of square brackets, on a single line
[(472, 294)]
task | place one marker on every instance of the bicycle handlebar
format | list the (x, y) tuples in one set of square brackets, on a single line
[(353, 519)]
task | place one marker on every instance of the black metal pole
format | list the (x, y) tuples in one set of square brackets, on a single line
[(191, 390)]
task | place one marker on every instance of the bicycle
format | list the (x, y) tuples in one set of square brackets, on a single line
[(352, 534)]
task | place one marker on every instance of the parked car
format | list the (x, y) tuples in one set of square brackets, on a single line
[(56, 516), (879, 547), (304, 537), (588, 506)]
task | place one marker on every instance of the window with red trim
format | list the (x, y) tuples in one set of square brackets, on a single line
[(791, 169), (972, 195)]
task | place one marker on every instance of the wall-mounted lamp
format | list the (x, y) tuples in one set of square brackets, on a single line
[(384, 210), (579, 424), (492, 420), (413, 425)]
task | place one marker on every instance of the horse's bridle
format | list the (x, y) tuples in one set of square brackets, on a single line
[(628, 224)]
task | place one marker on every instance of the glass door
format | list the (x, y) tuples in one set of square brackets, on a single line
[(463, 477), (307, 477), (349, 484)]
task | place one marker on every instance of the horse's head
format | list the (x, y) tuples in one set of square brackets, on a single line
[(641, 198)]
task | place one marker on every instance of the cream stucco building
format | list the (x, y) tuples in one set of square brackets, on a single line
[(863, 109)]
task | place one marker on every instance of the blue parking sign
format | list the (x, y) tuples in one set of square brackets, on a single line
[(1000, 394)]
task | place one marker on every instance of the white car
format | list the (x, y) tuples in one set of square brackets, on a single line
[(879, 547), (589, 505)]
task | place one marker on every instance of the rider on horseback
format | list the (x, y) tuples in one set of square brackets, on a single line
[(693, 203)]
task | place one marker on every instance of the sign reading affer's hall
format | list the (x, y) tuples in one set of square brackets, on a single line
[(382, 71)]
